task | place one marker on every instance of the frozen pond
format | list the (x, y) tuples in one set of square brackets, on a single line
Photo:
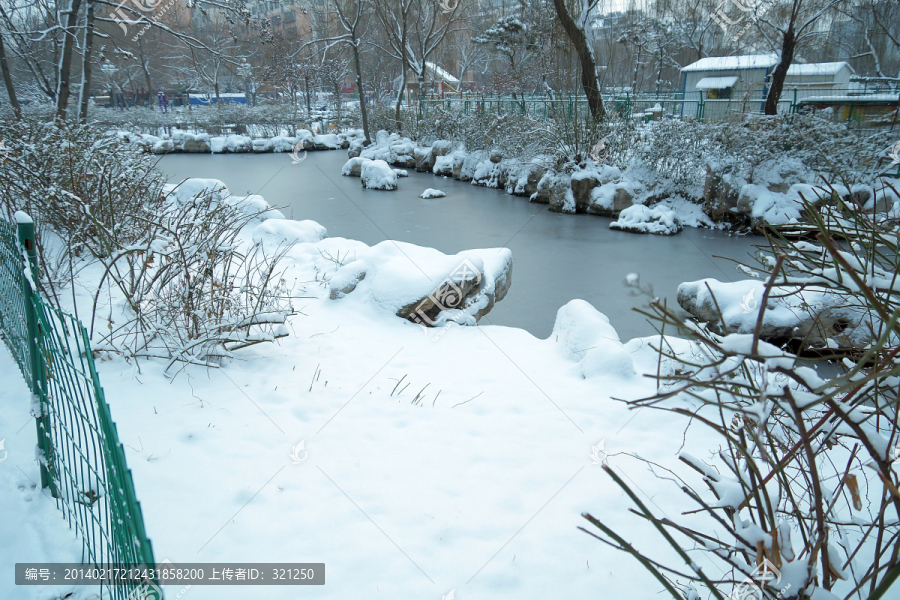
[(556, 257)]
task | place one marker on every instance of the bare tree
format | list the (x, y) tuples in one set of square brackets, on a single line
[(7, 80), (394, 16), (794, 23), (352, 19), (580, 31)]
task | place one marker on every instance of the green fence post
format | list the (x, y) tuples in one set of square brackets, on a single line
[(25, 226)]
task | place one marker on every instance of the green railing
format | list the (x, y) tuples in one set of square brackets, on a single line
[(696, 104), (82, 463)]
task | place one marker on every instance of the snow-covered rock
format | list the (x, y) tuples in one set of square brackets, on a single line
[(487, 174), (522, 179), (424, 159), (432, 193), (275, 232), (353, 167), (814, 314), (442, 148), (306, 136), (326, 141), (163, 147), (283, 143), (262, 145), (443, 165), (378, 175), (146, 141), (218, 144), (238, 143), (424, 285), (638, 218)]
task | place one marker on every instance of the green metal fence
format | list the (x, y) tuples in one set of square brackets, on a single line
[(696, 104), (82, 462)]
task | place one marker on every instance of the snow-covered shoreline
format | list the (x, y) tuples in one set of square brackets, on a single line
[(725, 200)]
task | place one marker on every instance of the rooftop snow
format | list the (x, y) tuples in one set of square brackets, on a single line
[(716, 83), (441, 72), (877, 98), (733, 63), (829, 68)]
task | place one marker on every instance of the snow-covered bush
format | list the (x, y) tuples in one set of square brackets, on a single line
[(677, 154), (800, 497), (187, 289), (91, 191)]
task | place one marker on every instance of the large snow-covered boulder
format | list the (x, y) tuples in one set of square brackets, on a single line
[(813, 314), (583, 335), (424, 285), (218, 144), (275, 232), (522, 180), (487, 174), (353, 167), (424, 159), (163, 147), (442, 148), (402, 154), (378, 175), (195, 143), (443, 165), (306, 136), (262, 145), (326, 141), (284, 143), (238, 143), (638, 218)]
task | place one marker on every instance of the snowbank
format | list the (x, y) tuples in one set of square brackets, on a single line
[(432, 193), (584, 335), (273, 233)]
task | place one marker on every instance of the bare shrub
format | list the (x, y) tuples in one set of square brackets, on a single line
[(802, 482)]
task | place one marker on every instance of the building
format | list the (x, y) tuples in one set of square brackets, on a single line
[(817, 79), (715, 86)]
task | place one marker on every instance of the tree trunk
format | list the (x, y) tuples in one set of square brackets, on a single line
[(402, 76), (359, 87), (787, 56), (308, 108), (86, 63), (585, 57), (7, 79), (218, 102), (146, 74), (65, 60)]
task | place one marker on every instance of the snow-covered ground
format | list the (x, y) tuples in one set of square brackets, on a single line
[(31, 527), (432, 460)]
